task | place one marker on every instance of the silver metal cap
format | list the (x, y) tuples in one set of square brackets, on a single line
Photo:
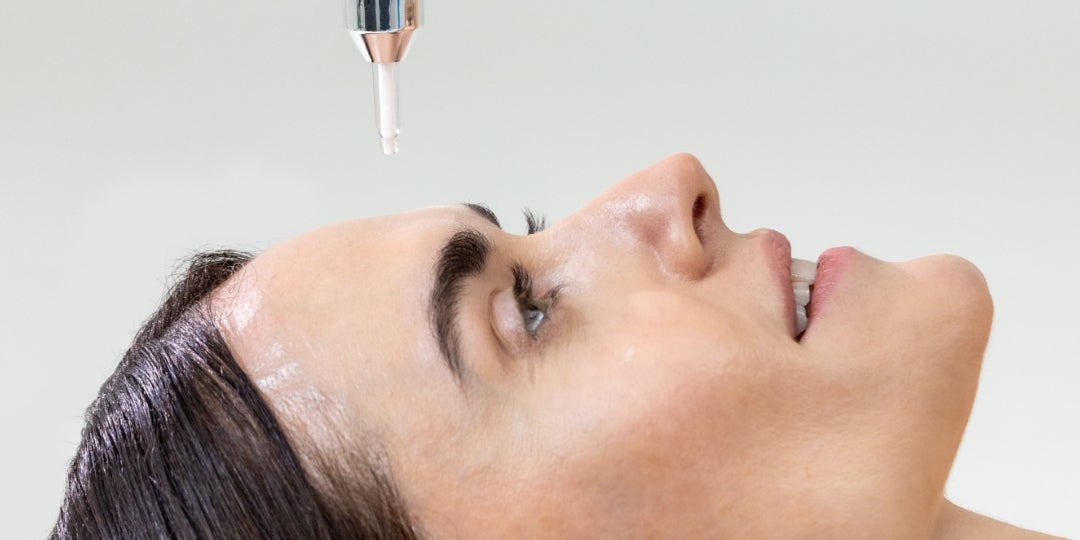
[(382, 29)]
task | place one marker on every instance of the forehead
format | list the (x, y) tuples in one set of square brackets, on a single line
[(340, 305), (363, 250)]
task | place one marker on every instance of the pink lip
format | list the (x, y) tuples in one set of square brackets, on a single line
[(778, 251), (831, 265)]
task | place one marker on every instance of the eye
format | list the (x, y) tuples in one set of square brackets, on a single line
[(534, 311)]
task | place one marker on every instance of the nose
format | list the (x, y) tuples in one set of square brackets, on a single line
[(670, 209)]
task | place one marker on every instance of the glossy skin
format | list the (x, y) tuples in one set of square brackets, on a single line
[(664, 395)]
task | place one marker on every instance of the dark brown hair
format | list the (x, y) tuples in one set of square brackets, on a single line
[(180, 444)]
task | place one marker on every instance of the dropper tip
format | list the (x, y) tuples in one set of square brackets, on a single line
[(389, 145)]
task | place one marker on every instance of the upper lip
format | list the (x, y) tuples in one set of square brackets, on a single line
[(778, 255)]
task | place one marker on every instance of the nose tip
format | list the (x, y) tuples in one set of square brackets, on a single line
[(684, 159), (672, 208)]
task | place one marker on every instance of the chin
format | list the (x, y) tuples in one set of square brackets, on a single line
[(962, 297), (959, 313)]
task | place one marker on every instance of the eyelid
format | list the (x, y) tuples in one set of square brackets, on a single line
[(522, 280), (506, 321), (526, 299), (505, 307), (525, 294)]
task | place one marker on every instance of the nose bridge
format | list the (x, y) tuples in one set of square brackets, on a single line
[(657, 211)]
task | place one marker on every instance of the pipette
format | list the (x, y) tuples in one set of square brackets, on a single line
[(383, 30)]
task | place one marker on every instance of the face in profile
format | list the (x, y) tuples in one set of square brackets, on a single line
[(632, 370)]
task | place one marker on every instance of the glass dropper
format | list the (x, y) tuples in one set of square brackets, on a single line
[(383, 30), (386, 105)]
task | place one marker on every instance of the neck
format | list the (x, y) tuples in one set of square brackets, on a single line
[(955, 523)]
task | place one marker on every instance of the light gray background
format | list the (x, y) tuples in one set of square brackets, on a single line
[(133, 132)]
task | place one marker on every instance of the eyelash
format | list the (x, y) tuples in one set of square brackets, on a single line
[(534, 222), (529, 302)]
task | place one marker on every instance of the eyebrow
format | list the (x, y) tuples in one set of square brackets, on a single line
[(464, 254)]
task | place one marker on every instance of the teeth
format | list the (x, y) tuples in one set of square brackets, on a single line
[(802, 292), (803, 270), (800, 319), (803, 273)]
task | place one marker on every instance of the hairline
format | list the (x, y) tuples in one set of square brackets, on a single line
[(306, 423)]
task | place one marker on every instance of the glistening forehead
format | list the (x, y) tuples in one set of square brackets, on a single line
[(357, 289)]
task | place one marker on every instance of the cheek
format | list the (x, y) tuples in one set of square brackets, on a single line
[(668, 387), (665, 353)]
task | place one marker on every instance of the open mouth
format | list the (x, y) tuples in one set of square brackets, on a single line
[(803, 273)]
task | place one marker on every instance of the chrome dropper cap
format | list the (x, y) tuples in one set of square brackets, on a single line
[(383, 30)]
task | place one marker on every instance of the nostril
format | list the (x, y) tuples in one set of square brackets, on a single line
[(698, 214)]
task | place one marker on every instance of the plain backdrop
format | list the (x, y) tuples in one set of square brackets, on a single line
[(135, 132)]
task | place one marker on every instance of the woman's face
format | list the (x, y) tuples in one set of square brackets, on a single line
[(646, 383)]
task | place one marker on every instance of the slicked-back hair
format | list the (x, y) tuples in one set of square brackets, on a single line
[(180, 444)]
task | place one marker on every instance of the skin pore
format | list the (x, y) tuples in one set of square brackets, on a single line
[(644, 382)]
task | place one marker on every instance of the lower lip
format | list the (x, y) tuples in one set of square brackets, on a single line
[(830, 270)]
